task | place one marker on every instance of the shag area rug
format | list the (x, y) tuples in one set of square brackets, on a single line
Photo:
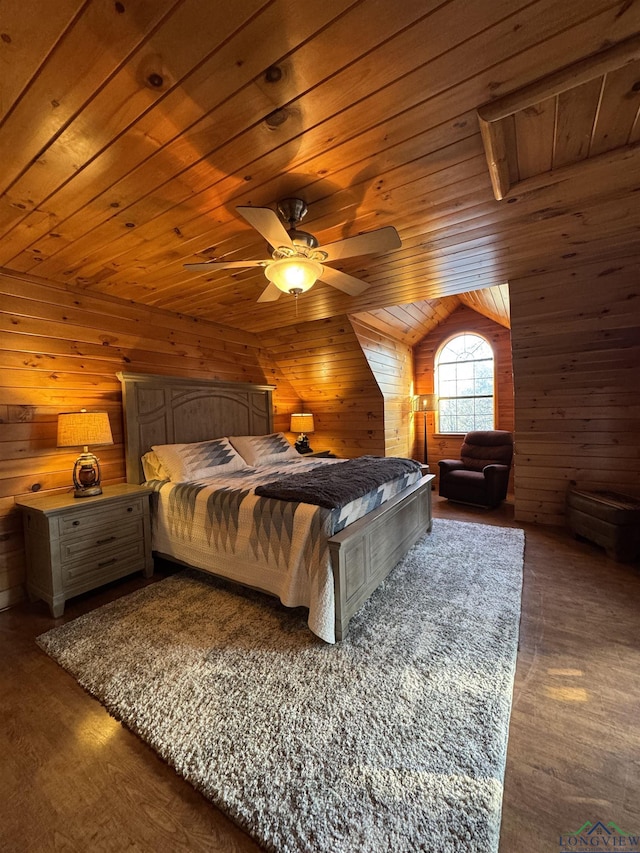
[(393, 740)]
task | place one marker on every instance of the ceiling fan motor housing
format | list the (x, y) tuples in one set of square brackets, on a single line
[(292, 210), (303, 240)]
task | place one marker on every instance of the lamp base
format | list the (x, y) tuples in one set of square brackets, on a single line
[(302, 445), (87, 476), (89, 492)]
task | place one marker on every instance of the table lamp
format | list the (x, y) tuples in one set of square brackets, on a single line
[(80, 429), (302, 422)]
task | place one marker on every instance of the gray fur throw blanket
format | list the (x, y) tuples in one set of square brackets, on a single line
[(333, 486)]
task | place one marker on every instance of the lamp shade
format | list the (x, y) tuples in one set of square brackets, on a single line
[(302, 422), (81, 429), (425, 403), (294, 275)]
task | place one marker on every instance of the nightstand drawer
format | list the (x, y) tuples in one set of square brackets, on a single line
[(98, 540), (99, 516), (101, 567)]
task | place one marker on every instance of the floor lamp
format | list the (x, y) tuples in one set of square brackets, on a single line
[(425, 403)]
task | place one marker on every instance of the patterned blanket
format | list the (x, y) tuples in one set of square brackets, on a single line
[(278, 546)]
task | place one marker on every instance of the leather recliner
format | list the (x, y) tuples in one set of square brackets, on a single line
[(481, 475)]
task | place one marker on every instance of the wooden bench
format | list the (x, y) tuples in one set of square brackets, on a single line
[(607, 518)]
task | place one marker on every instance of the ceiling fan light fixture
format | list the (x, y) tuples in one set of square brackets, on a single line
[(294, 275), (297, 261)]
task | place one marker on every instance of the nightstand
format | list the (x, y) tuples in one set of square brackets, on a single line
[(77, 544)]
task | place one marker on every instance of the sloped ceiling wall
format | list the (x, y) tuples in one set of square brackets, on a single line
[(325, 365), (355, 374), (391, 363), (411, 323)]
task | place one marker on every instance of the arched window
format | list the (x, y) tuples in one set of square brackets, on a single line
[(464, 384)]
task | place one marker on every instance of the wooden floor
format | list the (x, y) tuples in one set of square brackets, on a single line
[(73, 779)]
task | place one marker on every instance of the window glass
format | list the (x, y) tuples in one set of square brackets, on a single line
[(465, 384)]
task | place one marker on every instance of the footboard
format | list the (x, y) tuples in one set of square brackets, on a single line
[(363, 554)]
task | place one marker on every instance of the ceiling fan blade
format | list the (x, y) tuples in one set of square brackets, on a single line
[(266, 222), (381, 240), (212, 266), (342, 281), (270, 293)]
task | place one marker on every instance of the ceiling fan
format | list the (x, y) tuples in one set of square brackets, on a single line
[(297, 261)]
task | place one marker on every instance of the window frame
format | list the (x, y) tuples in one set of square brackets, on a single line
[(436, 377)]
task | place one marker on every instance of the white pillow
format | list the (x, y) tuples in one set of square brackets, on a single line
[(259, 450), (152, 467), (184, 462)]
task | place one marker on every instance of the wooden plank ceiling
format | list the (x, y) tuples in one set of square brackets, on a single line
[(410, 323), (574, 116), (130, 131)]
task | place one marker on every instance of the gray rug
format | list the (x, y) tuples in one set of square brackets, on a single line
[(394, 740)]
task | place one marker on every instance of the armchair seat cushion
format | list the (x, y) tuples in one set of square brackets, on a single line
[(451, 465), (468, 478), (467, 487)]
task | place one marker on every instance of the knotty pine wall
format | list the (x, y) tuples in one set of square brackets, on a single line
[(576, 359), (327, 368), (60, 351), (463, 319)]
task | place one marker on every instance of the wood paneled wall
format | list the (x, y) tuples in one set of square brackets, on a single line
[(576, 358), (60, 351), (463, 319), (391, 363), (325, 365)]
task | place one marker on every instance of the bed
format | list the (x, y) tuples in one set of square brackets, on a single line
[(164, 411)]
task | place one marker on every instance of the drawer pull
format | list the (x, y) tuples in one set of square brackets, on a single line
[(129, 509), (76, 523), (104, 541), (107, 562)]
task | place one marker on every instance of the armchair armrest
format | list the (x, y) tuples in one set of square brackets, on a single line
[(497, 480), (495, 471), (447, 465)]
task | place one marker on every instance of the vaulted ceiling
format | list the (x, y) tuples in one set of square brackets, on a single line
[(130, 132)]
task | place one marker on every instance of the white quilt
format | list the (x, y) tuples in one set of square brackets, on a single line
[(222, 527)]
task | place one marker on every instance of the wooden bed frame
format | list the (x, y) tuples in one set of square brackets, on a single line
[(170, 410)]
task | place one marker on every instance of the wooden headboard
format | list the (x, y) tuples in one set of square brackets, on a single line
[(172, 410)]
